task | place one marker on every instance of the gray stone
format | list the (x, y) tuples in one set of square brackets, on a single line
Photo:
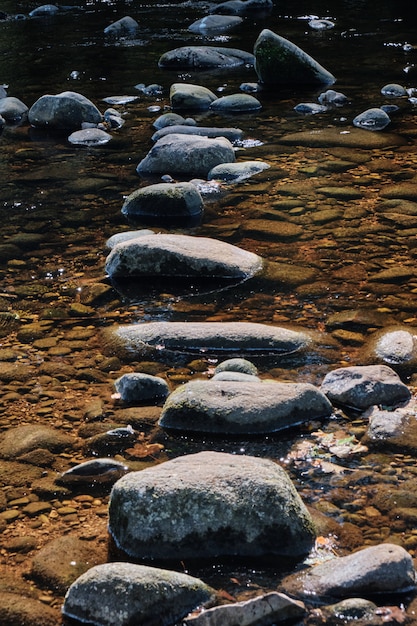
[(395, 345), (64, 111), (215, 24), (237, 365), (136, 387), (279, 61), (372, 119), (267, 609), (181, 256), (234, 407), (188, 96), (395, 428), (188, 155), (236, 103), (209, 504), (235, 172), (120, 594), (164, 200), (44, 10), (21, 439), (130, 342), (242, 7), (360, 387), (309, 108), (385, 568), (232, 134), (13, 110), (330, 97), (94, 472), (89, 137), (204, 58), (127, 236), (393, 90), (236, 376), (169, 119), (125, 26)]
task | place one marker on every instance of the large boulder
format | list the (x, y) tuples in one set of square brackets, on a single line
[(189, 96), (208, 505), (181, 256), (234, 407), (279, 61), (122, 594), (383, 569), (362, 386), (13, 110), (163, 201), (189, 155), (132, 341), (204, 58), (64, 111)]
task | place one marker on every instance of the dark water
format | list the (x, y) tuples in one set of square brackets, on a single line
[(70, 197)]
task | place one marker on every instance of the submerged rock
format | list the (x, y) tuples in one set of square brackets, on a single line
[(309, 108), (119, 594), (352, 138), (181, 256), (385, 568), (189, 155), (372, 119), (125, 26), (279, 61), (209, 504), (235, 407), (204, 58), (129, 342), (21, 439), (235, 172), (333, 98), (64, 111), (89, 137), (360, 387)]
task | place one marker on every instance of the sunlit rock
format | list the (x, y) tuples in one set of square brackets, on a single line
[(235, 172), (189, 155), (386, 569), (209, 504), (13, 110), (348, 138), (125, 26), (133, 341), (127, 236), (89, 137), (140, 388), (242, 407), (163, 201), (64, 111), (279, 61), (214, 24), (360, 387), (119, 594), (204, 58), (373, 119), (395, 346), (188, 96)]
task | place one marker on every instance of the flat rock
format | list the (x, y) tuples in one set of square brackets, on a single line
[(183, 256), (385, 568), (12, 109), (120, 594), (204, 58), (21, 439), (89, 137), (208, 505), (215, 24), (236, 103), (235, 172), (232, 134), (363, 386), (279, 61), (234, 407), (352, 138), (19, 610), (130, 342), (189, 155)]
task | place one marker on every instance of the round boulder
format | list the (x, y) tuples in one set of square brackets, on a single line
[(372, 119), (137, 387), (208, 505), (204, 58), (89, 137), (162, 202), (64, 111), (13, 110), (188, 96)]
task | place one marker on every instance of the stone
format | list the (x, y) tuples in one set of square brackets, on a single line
[(309, 108), (127, 236), (330, 97), (279, 61), (188, 155), (94, 472), (362, 386), (215, 24), (335, 137), (204, 58), (44, 10), (119, 594), (64, 111), (393, 90), (207, 505), (238, 365), (63, 559), (385, 568), (183, 256), (13, 110), (22, 439), (169, 119), (236, 376), (236, 172), (89, 137), (235, 407), (163, 201), (236, 103), (130, 342), (242, 7), (395, 346), (18, 610), (270, 608), (395, 429), (232, 134), (372, 119), (189, 96), (138, 388), (125, 26)]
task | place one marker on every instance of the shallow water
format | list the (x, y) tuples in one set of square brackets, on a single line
[(59, 203)]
